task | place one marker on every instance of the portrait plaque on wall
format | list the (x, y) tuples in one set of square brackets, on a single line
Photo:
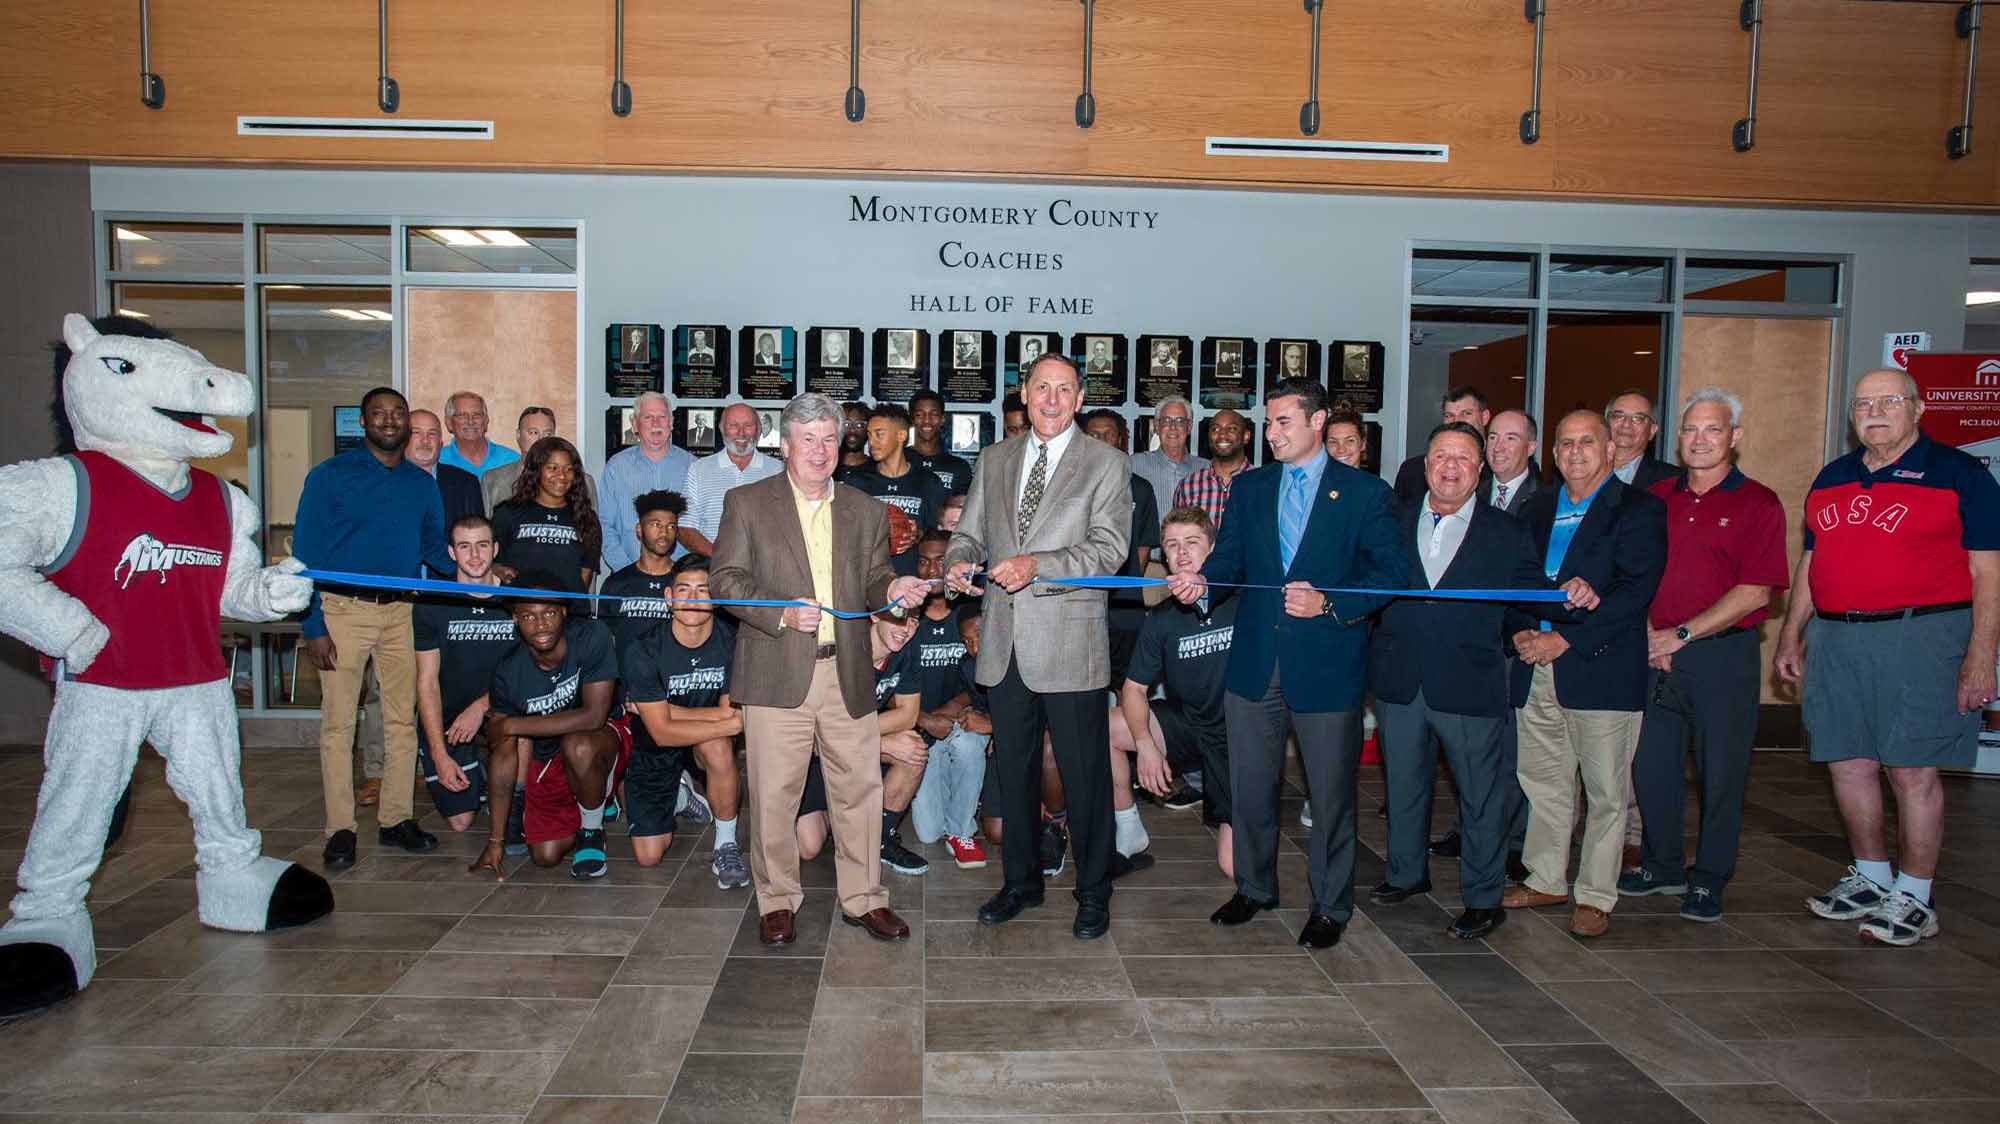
[(902, 363), (1355, 374), (965, 366), (967, 432), (1228, 373), (768, 423), (770, 363), (698, 429), (701, 361), (1102, 359), (634, 359), (619, 433), (833, 362), (1023, 348), (1166, 369), (1287, 358)]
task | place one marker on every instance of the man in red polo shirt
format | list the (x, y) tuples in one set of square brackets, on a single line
[(1895, 611), (1725, 558)]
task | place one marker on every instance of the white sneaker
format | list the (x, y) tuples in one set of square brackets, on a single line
[(1901, 920), (1855, 896)]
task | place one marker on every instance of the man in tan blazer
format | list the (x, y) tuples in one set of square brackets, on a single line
[(805, 678), (1046, 505)]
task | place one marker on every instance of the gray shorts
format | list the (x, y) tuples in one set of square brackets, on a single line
[(1888, 691)]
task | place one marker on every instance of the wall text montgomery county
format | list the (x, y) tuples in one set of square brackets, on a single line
[(967, 251)]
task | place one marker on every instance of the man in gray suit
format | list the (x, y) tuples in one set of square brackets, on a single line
[(1043, 506)]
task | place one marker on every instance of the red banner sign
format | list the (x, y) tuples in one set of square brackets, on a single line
[(1961, 396)]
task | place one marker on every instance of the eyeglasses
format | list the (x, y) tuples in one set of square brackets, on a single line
[(1880, 402), (1616, 416), (1171, 423)]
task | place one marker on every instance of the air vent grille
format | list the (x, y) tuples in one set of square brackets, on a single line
[(1303, 149), (372, 128)]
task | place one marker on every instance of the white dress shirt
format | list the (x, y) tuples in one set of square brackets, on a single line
[(711, 477), (1513, 488), (1031, 448), (1439, 537), (1630, 471)]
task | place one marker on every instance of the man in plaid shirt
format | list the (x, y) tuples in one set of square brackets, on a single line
[(1208, 488)]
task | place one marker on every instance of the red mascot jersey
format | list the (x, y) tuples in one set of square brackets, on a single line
[(151, 567)]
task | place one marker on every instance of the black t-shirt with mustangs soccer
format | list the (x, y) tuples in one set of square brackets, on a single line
[(533, 537), (521, 687), (471, 636)]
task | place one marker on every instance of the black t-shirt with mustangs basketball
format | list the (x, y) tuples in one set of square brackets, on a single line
[(521, 687), (471, 636)]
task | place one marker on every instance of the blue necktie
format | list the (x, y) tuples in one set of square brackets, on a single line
[(1292, 515)]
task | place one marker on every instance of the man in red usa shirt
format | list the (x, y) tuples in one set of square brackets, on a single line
[(1894, 615)]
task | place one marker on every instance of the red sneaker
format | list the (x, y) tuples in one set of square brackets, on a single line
[(967, 853)]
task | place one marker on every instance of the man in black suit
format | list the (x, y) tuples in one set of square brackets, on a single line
[(459, 488), (1456, 692), (1460, 404), (1634, 424), (1579, 708)]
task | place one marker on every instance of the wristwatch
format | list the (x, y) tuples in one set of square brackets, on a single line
[(1326, 608), (1682, 634)]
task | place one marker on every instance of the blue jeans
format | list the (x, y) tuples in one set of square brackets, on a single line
[(948, 795)]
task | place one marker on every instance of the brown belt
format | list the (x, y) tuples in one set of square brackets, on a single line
[(823, 652)]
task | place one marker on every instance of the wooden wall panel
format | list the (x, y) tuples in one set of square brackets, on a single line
[(1640, 94)]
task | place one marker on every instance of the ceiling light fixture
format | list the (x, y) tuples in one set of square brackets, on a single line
[(1982, 296), (126, 234), (1470, 347), (501, 238), (135, 314), (1642, 353), (452, 236)]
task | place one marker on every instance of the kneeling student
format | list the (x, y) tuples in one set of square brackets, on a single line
[(549, 718), (458, 643), (677, 683)]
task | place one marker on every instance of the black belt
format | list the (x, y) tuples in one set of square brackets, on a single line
[(375, 596), (823, 652), (1894, 614)]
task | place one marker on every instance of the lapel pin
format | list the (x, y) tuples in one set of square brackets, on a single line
[(1334, 494)]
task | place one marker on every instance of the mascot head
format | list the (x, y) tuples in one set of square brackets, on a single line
[(128, 391)]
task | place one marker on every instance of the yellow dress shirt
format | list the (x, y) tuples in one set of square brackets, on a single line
[(816, 524)]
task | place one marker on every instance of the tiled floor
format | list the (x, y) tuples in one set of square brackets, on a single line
[(432, 995)]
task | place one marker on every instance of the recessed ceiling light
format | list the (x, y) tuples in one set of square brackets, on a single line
[(1642, 353), (1982, 296), (452, 236), (127, 235), (1520, 378), (501, 238), (136, 315), (1470, 347)]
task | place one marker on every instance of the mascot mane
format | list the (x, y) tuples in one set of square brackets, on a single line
[(106, 326)]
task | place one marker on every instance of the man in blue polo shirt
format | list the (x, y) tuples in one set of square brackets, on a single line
[(1894, 615)]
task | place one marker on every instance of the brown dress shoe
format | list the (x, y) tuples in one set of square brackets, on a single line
[(775, 927), (1589, 921), (1525, 897), (882, 924), (369, 793)]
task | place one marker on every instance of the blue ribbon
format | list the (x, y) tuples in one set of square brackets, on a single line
[(1094, 581)]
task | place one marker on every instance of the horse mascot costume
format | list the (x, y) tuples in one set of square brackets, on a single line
[(117, 563)]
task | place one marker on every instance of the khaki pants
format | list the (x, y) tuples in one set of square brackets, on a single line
[(780, 748), (361, 629), (1557, 744)]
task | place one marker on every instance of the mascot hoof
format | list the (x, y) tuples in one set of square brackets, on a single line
[(34, 976), (299, 897)]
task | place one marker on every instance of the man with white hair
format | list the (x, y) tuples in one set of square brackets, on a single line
[(1165, 467), (1725, 560), (654, 464), (465, 413), (1899, 581), (737, 463)]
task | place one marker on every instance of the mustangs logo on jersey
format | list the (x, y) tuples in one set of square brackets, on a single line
[(148, 555)]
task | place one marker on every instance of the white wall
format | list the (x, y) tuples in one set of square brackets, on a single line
[(739, 251)]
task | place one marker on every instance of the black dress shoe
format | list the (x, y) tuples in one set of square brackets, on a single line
[(1321, 931), (1476, 923), (1239, 909), (1006, 905), (339, 853), (1388, 894), (1122, 865), (1445, 847), (408, 836), (1093, 920), (1517, 871)]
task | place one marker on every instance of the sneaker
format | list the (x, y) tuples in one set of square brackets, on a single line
[(1642, 883), (1700, 904), (728, 867), (1305, 815), (1182, 798), (517, 836), (610, 810), (901, 859), (1130, 837), (692, 804), (1855, 896), (1054, 842), (1901, 920), (587, 860), (966, 852)]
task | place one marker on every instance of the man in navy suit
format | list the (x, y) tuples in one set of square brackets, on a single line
[(1579, 708), (1297, 661), (1440, 668)]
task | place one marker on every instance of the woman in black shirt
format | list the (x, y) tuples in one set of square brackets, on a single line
[(550, 522)]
